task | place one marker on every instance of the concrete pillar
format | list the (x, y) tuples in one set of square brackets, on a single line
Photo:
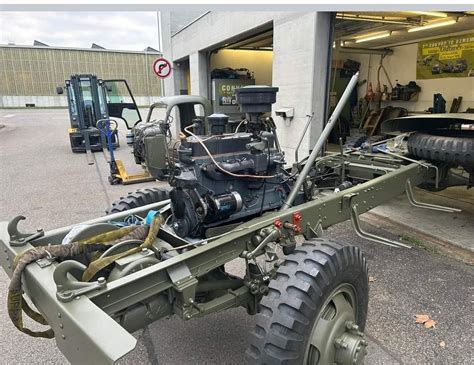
[(180, 69), (199, 69), (301, 52)]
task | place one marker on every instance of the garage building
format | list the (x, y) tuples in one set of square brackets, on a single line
[(404, 59)]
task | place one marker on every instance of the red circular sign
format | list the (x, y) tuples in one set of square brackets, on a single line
[(162, 67)]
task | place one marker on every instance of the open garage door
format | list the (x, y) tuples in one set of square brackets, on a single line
[(246, 60)]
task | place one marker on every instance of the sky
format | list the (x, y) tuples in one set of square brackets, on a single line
[(133, 31)]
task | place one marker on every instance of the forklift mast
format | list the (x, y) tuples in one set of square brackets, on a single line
[(91, 100), (86, 101)]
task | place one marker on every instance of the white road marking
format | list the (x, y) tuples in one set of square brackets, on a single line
[(9, 115)]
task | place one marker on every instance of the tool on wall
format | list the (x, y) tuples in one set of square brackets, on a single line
[(439, 104), (379, 95), (456, 104)]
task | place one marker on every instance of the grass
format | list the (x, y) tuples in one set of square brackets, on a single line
[(419, 243)]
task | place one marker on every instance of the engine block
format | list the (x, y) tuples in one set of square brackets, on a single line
[(228, 187), (218, 175)]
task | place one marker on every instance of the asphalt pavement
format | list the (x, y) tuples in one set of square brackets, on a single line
[(42, 179)]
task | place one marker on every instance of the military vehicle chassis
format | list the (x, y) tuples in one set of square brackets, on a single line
[(93, 320), (83, 320)]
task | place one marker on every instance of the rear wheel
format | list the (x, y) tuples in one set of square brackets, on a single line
[(139, 198), (316, 308)]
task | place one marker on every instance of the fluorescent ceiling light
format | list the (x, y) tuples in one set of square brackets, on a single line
[(433, 25), (371, 37), (436, 14)]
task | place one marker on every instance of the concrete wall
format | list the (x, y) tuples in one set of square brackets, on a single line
[(259, 62), (30, 74), (216, 28), (401, 66), (39, 101), (300, 71), (198, 67), (179, 19)]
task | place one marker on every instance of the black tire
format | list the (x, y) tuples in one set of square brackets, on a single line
[(303, 284), (139, 198), (454, 147)]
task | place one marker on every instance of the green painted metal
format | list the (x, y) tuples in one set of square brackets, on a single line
[(331, 328), (87, 321)]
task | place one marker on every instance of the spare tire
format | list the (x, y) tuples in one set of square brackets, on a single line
[(452, 147), (139, 198)]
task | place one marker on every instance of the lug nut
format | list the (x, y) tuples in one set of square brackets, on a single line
[(352, 326), (340, 343)]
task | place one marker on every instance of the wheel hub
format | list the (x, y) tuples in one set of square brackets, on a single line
[(336, 338), (351, 347)]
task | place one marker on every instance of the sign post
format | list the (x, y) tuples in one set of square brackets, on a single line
[(162, 68)]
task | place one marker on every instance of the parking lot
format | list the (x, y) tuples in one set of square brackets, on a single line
[(43, 180)]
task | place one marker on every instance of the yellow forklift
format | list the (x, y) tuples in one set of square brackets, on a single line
[(92, 103)]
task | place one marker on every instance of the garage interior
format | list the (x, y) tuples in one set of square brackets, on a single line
[(247, 60), (384, 48)]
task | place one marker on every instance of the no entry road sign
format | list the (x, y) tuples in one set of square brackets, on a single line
[(162, 67)]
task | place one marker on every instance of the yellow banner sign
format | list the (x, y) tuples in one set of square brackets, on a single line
[(446, 57), (450, 55)]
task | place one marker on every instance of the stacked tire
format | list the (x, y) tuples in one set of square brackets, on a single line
[(455, 148)]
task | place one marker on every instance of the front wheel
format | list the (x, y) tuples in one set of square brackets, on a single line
[(316, 308), (139, 198)]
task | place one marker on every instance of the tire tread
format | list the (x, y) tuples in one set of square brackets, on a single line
[(138, 198), (284, 319)]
